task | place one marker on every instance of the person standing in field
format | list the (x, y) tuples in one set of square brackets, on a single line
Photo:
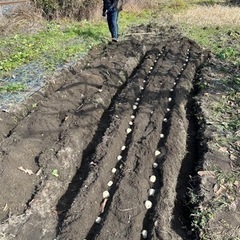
[(111, 8)]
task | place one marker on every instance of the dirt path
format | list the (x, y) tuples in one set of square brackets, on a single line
[(108, 150)]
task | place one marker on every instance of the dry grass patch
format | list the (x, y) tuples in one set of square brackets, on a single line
[(216, 15), (21, 18), (140, 5), (156, 5)]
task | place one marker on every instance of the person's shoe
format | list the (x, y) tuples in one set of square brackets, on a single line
[(115, 40)]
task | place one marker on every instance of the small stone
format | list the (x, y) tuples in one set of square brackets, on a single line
[(151, 192), (119, 157), (130, 123), (165, 119), (136, 103), (137, 99), (114, 170), (151, 68), (144, 234), (110, 183), (106, 194), (134, 107), (141, 88), (98, 220), (153, 178), (161, 135), (155, 165), (174, 83), (123, 148), (129, 130), (157, 153), (171, 90), (168, 109), (132, 116), (148, 204), (169, 99)]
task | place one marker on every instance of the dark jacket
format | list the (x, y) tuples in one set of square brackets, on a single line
[(109, 5)]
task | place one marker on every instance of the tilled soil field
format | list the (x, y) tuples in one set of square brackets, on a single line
[(107, 148)]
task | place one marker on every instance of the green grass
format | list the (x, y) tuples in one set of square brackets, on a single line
[(58, 42), (224, 43), (226, 109), (201, 218), (222, 39), (127, 18), (10, 88), (225, 194), (218, 40), (53, 46)]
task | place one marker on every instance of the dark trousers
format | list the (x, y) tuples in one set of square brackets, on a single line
[(112, 19)]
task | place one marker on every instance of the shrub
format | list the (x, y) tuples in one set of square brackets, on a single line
[(76, 9)]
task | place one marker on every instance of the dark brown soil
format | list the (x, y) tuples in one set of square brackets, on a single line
[(112, 111)]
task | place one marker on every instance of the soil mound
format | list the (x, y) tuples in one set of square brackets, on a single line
[(106, 149)]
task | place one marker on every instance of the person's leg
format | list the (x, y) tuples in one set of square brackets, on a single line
[(110, 22), (112, 18), (115, 24)]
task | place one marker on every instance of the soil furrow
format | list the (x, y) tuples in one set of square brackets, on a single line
[(130, 207), (164, 151), (106, 153), (160, 217), (117, 128), (90, 155), (71, 226), (125, 162), (62, 154)]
